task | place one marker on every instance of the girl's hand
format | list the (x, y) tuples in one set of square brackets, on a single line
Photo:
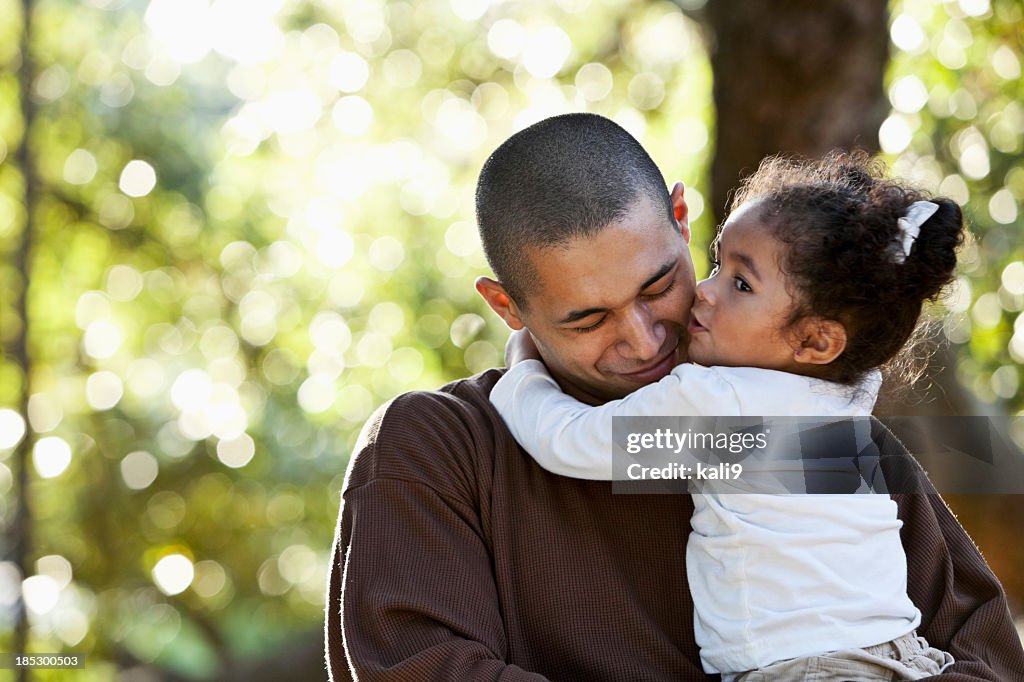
[(520, 347)]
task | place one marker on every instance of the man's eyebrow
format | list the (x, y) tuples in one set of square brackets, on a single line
[(577, 315)]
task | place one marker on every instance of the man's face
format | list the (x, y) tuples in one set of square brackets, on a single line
[(608, 313)]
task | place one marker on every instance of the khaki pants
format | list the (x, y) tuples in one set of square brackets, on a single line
[(905, 658)]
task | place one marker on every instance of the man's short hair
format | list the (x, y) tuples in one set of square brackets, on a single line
[(563, 178)]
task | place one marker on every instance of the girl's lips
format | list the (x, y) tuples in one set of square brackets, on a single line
[(695, 326)]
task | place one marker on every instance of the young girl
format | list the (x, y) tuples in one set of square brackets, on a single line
[(822, 269)]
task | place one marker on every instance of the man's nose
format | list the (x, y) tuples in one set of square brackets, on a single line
[(642, 336)]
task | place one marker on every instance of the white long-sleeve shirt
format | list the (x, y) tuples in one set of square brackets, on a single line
[(773, 576)]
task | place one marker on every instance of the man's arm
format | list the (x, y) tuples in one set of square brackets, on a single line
[(963, 607), (412, 593)]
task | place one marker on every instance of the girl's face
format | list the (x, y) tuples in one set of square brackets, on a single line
[(740, 314)]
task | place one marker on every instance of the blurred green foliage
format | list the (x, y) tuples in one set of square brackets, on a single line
[(256, 225)]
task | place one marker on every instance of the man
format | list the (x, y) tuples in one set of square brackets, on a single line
[(459, 558)]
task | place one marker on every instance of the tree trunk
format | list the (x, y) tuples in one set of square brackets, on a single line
[(793, 76)]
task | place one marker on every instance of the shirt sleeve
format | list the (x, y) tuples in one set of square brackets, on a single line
[(570, 438), (411, 594)]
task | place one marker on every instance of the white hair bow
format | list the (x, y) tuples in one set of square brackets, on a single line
[(910, 226)]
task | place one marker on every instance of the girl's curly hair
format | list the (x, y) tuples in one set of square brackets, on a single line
[(838, 221)]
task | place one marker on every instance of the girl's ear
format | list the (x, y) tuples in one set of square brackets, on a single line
[(818, 341)]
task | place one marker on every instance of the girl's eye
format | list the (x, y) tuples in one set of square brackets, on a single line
[(586, 330), (741, 285)]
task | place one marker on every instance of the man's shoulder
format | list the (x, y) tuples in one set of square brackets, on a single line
[(437, 437)]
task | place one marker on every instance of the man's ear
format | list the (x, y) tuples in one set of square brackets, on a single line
[(500, 301), (681, 210), (818, 341)]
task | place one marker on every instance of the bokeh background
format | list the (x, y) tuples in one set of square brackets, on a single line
[(231, 228)]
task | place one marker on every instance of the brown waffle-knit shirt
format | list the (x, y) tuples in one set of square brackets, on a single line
[(458, 558)]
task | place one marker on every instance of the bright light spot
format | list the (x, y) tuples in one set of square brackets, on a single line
[(335, 248), (974, 8), (461, 128), (402, 68), (895, 135), (124, 282), (406, 365), (951, 55), (116, 211), (342, 173), (244, 30), (192, 390), (10, 583), (1003, 207), (259, 317), (80, 167), (226, 417), (355, 403), (292, 111), (316, 394), (103, 390), (137, 179), (695, 202), (162, 71), (44, 412), (594, 81), (958, 297), (386, 253), (646, 90), (907, 34), (1013, 278), (51, 456), (236, 452), (633, 121), (546, 51), (352, 115), (469, 10), (57, 568), (210, 579), (41, 593), (465, 328), (145, 377), (349, 72), (1005, 381), (181, 28), (329, 333), (219, 341), (12, 428), (70, 624), (173, 574), (462, 238), (986, 311), (139, 469), (908, 95), (955, 187), (373, 349), (297, 563), (1006, 64), (974, 160), (387, 318), (506, 38)]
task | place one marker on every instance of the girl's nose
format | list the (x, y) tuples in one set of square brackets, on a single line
[(705, 291)]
